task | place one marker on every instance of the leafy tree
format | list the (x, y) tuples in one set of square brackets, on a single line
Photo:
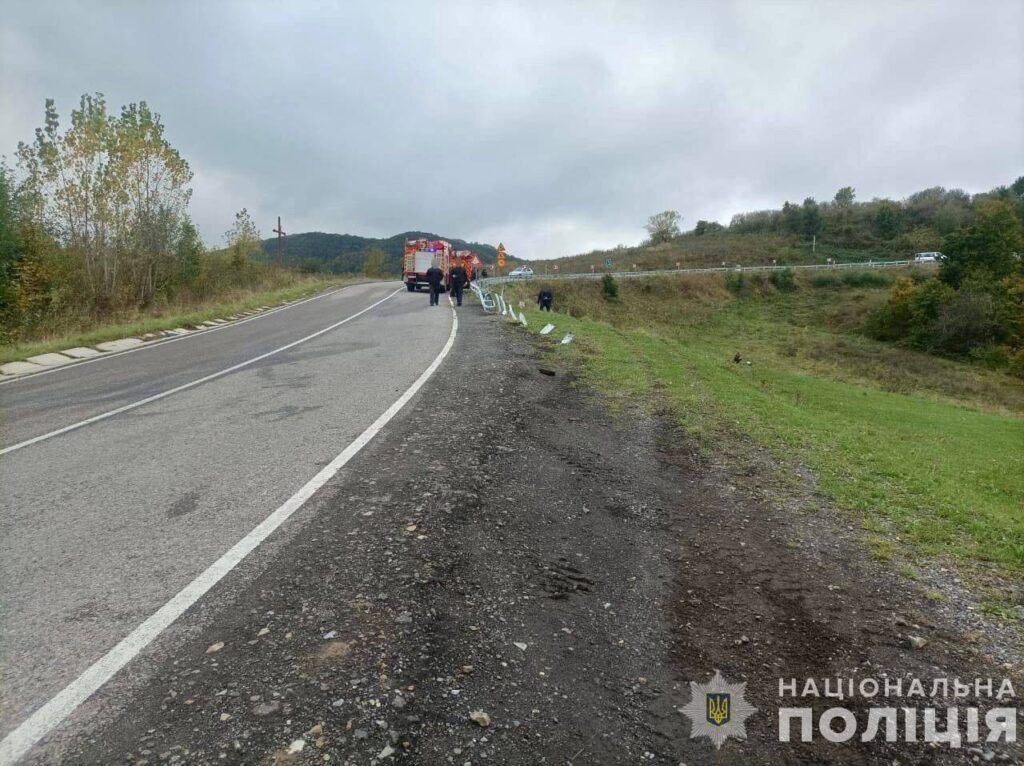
[(112, 191), (840, 216), (792, 218), (812, 223), (990, 249), (756, 222), (373, 266), (845, 196), (888, 219), (243, 240), (189, 251), (707, 227), (663, 227), (10, 244)]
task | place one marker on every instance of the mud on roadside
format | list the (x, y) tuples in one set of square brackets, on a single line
[(507, 548)]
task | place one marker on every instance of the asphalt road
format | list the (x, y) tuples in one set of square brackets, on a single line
[(101, 525)]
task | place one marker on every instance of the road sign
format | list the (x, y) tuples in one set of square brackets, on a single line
[(501, 258), (608, 263)]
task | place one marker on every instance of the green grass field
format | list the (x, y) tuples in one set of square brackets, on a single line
[(927, 452)]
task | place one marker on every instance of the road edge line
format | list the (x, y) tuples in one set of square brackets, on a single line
[(193, 334), (65, 702), (190, 384)]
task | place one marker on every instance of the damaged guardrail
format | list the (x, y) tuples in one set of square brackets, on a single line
[(496, 303)]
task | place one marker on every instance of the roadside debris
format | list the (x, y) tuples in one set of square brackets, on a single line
[(266, 708), (481, 718)]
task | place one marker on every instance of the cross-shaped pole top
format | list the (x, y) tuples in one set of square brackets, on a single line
[(280, 241)]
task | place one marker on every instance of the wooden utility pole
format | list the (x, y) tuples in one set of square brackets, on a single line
[(280, 242)]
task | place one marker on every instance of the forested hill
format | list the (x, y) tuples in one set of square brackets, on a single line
[(346, 253)]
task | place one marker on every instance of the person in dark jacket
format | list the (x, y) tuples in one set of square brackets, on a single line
[(459, 279), (434, 278), (545, 298)]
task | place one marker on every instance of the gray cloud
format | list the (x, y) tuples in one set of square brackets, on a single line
[(554, 126)]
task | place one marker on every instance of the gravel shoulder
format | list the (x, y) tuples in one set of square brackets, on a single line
[(509, 575)]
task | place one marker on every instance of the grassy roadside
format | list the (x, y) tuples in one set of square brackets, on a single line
[(169, 317), (926, 452)]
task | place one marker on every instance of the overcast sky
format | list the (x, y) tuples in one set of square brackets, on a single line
[(555, 127)]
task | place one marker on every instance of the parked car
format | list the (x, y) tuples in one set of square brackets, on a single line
[(929, 257), (525, 272)]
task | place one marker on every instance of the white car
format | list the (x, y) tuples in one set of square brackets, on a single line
[(930, 257), (523, 271)]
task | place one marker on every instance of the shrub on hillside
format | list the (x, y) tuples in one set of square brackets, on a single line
[(825, 280), (974, 321), (967, 323), (609, 288), (1016, 367), (866, 279), (852, 279), (783, 280), (995, 357), (735, 283)]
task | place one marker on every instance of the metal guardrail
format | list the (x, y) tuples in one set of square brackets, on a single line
[(483, 295), (488, 281)]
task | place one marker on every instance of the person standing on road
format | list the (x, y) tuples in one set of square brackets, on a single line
[(545, 298), (459, 278), (434, 278)]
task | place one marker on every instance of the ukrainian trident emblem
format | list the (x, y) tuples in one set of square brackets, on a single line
[(718, 708)]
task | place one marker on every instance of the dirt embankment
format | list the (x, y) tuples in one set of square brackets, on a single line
[(508, 576)]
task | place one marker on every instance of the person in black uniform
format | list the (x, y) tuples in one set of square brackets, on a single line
[(545, 298), (434, 278), (459, 278)]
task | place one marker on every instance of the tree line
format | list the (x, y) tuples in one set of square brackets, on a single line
[(94, 223), (918, 223), (973, 307), (320, 252), (915, 224)]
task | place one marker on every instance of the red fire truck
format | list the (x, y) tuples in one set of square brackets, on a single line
[(420, 254), (471, 262)]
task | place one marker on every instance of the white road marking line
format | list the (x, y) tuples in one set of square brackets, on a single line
[(191, 384), (196, 334), (49, 716)]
